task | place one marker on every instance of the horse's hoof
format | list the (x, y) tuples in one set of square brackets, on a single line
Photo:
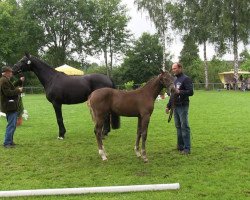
[(104, 159), (145, 160), (138, 154), (60, 138)]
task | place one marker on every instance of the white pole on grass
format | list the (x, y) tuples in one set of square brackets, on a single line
[(87, 190)]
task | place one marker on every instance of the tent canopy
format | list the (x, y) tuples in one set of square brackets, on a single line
[(69, 70), (227, 77)]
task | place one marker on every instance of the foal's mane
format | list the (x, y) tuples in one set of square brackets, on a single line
[(148, 83)]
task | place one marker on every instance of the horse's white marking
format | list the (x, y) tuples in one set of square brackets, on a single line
[(137, 152), (102, 154), (29, 62), (60, 138)]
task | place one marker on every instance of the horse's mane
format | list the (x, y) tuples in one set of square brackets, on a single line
[(148, 83), (42, 62)]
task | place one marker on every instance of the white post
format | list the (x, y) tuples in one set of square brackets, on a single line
[(108, 189)]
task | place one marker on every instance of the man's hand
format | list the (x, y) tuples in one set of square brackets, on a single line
[(21, 89)]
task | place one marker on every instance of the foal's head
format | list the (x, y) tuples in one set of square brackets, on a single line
[(167, 80), (22, 65)]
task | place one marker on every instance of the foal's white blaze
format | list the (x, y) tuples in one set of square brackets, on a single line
[(102, 154)]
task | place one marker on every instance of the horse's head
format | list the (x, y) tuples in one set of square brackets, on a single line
[(22, 65), (167, 80)]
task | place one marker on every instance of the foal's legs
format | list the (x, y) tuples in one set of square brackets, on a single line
[(138, 137), (98, 134), (144, 130), (58, 111)]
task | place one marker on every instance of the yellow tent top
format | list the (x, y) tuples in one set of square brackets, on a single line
[(227, 77), (69, 70)]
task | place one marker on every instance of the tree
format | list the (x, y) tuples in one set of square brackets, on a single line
[(196, 20), (143, 60), (233, 26), (189, 52), (17, 33), (57, 18), (108, 32), (158, 14)]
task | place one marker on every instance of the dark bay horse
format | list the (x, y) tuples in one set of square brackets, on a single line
[(137, 103), (63, 89)]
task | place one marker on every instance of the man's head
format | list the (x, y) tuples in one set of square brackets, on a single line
[(176, 69), (7, 71)]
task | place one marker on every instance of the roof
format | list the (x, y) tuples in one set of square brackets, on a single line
[(69, 70), (227, 77)]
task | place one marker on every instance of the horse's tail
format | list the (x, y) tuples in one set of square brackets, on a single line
[(113, 84), (115, 121)]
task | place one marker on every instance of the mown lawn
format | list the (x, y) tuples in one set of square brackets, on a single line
[(218, 167)]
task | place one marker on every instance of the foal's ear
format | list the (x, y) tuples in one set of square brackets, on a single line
[(27, 55)]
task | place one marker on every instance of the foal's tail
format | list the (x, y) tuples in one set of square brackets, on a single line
[(115, 120)]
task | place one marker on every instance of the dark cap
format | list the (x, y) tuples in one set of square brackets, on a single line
[(6, 69)]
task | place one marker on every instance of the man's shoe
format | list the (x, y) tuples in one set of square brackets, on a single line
[(185, 152), (9, 146)]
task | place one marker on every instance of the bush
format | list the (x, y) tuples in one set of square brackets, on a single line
[(129, 85)]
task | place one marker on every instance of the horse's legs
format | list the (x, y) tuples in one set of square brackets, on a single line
[(138, 137), (106, 126), (98, 134), (144, 130), (58, 111)]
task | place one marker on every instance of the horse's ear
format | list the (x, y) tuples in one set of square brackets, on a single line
[(27, 55)]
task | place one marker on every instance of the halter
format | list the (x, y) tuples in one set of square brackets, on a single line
[(19, 71)]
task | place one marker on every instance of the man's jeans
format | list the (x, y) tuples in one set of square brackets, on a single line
[(10, 128), (182, 126)]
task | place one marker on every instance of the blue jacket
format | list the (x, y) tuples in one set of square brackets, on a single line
[(185, 85)]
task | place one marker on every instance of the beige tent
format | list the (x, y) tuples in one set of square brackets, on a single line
[(69, 70), (227, 77)]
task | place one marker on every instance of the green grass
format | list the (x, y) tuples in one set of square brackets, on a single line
[(218, 167)]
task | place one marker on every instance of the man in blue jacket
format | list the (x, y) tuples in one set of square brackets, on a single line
[(179, 103)]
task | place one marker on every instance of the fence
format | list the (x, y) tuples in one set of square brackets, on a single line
[(197, 86)]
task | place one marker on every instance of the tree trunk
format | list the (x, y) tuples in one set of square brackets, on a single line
[(205, 65), (235, 49), (106, 61), (111, 57), (164, 51)]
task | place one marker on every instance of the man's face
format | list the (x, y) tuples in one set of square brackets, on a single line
[(9, 74), (176, 69)]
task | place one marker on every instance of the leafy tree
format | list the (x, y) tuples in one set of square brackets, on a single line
[(108, 33), (245, 58), (143, 60), (17, 33), (57, 19), (159, 15), (233, 26), (196, 20), (189, 52)]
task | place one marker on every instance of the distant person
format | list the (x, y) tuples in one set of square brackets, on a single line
[(179, 102), (9, 96)]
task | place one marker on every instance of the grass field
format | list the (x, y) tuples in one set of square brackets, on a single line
[(217, 168)]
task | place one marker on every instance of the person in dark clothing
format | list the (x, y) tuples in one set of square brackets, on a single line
[(9, 96), (179, 103)]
